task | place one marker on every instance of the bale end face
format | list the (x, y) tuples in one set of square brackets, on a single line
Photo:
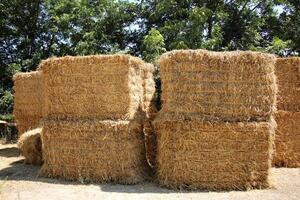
[(98, 151), (287, 139), (224, 86), (30, 146), (224, 156), (288, 79), (28, 101), (86, 86)]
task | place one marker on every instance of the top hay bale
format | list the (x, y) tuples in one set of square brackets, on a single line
[(288, 75), (227, 86), (28, 102), (98, 87)]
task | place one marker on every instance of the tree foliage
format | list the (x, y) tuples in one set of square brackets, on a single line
[(32, 30)]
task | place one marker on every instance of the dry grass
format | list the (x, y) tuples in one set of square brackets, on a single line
[(213, 156), (93, 87), (288, 75), (28, 103), (219, 86), (30, 145), (287, 140)]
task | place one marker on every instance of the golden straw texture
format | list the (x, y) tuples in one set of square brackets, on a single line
[(30, 146), (213, 156), (28, 101), (287, 139), (288, 78), (91, 150), (219, 86), (93, 87)]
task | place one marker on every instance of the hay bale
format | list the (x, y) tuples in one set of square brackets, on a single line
[(213, 156), (288, 78), (30, 145), (28, 101), (219, 86), (287, 139), (93, 87), (99, 151)]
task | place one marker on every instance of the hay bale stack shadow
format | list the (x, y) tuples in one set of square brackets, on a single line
[(215, 130), (28, 101), (95, 107)]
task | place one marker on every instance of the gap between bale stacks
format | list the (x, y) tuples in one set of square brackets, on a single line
[(100, 151), (92, 87), (287, 142), (28, 101), (218, 86), (150, 111), (214, 156)]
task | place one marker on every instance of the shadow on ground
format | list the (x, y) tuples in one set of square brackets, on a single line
[(14, 169), (9, 152), (18, 171)]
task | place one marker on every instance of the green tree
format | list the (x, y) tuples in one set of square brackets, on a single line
[(153, 45), (213, 24)]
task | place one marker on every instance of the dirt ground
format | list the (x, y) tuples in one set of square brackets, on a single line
[(19, 181)]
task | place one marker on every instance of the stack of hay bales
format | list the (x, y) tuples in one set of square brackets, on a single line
[(215, 130), (28, 102), (287, 140), (94, 112)]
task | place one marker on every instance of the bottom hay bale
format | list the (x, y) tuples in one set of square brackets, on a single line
[(221, 156), (97, 151), (287, 139), (30, 146)]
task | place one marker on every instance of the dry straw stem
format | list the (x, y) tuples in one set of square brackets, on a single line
[(214, 156), (97, 151), (30, 146), (287, 139), (224, 86), (93, 87), (28, 102), (288, 77)]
